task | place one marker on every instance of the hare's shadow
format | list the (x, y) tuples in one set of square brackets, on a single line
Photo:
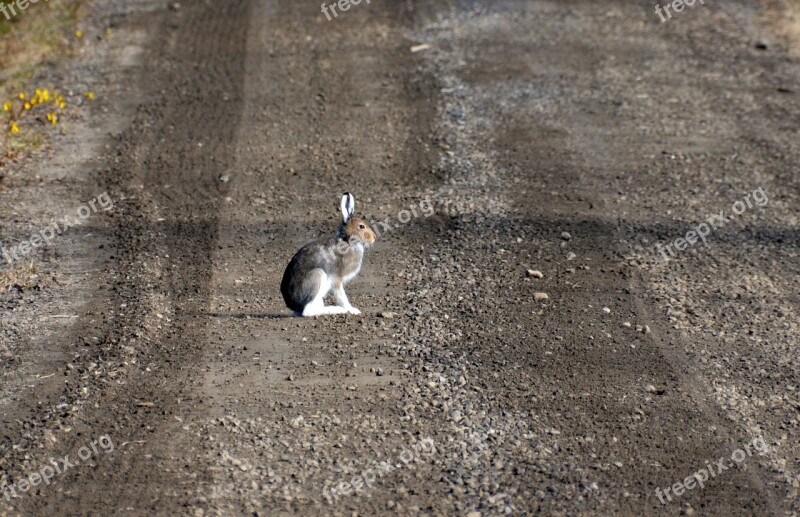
[(244, 315)]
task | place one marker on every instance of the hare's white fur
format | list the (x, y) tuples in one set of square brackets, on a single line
[(327, 283), (317, 306)]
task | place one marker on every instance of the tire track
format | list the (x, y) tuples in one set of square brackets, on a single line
[(163, 171)]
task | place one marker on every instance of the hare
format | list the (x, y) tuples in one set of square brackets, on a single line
[(327, 264)]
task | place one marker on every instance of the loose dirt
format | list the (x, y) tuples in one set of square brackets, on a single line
[(227, 134)]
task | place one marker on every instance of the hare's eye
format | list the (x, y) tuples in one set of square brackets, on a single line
[(361, 226)]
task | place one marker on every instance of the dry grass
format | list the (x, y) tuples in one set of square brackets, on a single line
[(791, 26), (44, 31), (22, 276), (784, 19)]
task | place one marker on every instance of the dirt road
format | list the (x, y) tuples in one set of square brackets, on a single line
[(562, 138)]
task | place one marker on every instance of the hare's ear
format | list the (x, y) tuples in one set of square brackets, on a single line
[(348, 206)]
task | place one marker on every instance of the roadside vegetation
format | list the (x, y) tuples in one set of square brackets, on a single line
[(784, 17), (43, 34)]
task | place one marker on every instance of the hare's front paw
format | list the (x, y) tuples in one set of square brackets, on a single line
[(353, 310)]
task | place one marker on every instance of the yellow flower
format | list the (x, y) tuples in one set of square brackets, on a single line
[(79, 34), (46, 95), (14, 128), (27, 106), (34, 101), (90, 95), (7, 106), (22, 96), (62, 105), (53, 118)]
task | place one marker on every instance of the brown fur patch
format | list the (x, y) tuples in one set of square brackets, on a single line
[(360, 229)]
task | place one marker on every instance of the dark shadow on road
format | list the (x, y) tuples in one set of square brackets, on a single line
[(242, 315)]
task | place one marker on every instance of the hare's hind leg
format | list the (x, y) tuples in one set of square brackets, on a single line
[(319, 284)]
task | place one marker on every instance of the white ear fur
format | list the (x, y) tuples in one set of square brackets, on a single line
[(348, 206)]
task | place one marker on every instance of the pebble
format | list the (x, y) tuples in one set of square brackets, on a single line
[(387, 315), (571, 256), (566, 236), (606, 310), (533, 273), (626, 324), (540, 297), (650, 388)]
